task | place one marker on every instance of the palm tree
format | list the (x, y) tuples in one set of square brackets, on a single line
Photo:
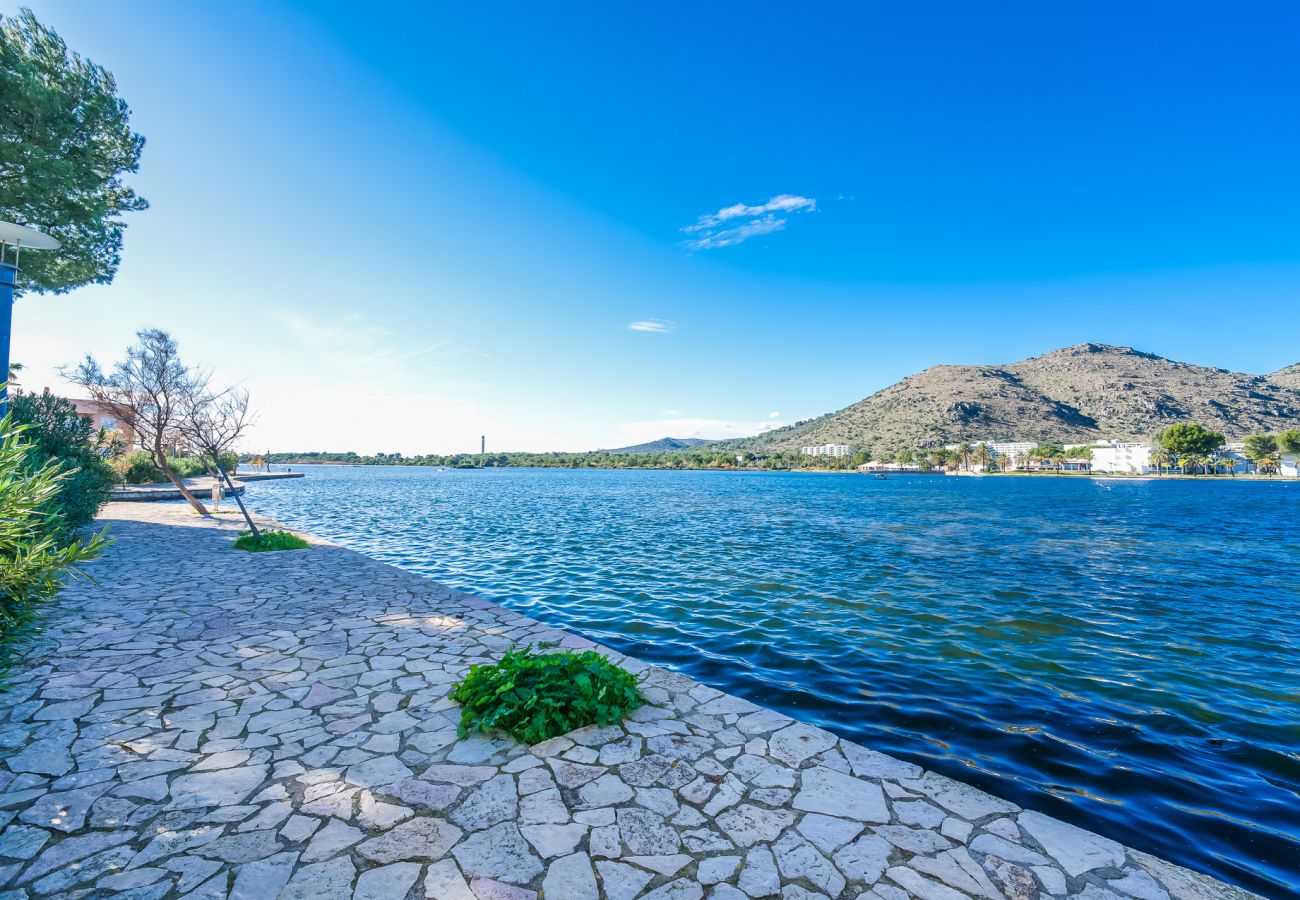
[(1160, 456), (984, 455), (1226, 462)]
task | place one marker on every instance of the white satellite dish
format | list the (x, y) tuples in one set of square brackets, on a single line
[(27, 238)]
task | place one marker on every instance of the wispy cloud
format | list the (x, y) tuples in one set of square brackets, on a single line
[(653, 326), (739, 222), (774, 415)]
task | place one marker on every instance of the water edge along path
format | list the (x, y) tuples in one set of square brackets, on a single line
[(201, 722)]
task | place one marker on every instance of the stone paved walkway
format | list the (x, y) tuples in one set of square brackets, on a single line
[(207, 723)]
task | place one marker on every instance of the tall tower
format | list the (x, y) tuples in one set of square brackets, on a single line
[(482, 445)]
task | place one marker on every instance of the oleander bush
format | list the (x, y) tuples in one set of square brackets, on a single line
[(269, 540), (37, 548), (54, 430), (536, 696), (138, 467)]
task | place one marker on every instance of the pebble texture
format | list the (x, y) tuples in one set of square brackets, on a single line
[(205, 723)]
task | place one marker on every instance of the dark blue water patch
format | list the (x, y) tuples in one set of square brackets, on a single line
[(1124, 655)]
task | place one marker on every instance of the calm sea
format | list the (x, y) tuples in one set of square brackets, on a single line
[(1123, 655)]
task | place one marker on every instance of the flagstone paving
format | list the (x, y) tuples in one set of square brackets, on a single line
[(207, 723)]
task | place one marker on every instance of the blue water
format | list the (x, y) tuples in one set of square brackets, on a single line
[(1123, 655)]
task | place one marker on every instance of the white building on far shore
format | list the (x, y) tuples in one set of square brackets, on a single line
[(827, 450), (1125, 457)]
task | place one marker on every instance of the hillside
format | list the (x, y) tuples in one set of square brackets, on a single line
[(659, 446), (1288, 377), (1081, 393)]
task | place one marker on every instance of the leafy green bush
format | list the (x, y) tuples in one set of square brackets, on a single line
[(187, 466), (536, 696), (36, 550), (137, 467), (56, 431), (269, 540)]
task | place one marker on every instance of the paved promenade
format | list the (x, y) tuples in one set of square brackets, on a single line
[(207, 723)]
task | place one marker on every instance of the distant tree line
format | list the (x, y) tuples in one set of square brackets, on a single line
[(1185, 447)]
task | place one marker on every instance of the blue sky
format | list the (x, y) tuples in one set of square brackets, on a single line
[(405, 227)]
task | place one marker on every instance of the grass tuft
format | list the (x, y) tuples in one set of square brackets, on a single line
[(269, 540), (537, 696)]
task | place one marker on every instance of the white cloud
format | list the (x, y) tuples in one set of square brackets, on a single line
[(739, 222), (653, 326), (774, 415), (705, 429)]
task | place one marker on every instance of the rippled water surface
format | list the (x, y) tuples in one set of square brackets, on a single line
[(1124, 655)]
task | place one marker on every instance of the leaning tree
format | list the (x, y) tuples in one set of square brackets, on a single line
[(154, 395), (212, 421)]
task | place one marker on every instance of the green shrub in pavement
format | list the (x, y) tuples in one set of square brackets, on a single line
[(269, 540), (536, 696)]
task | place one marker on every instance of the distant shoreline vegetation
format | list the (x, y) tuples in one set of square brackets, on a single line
[(1184, 450)]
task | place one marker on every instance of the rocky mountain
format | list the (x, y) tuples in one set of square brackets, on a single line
[(1290, 376), (1083, 393), (659, 446)]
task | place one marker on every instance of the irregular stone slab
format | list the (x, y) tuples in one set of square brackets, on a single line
[(386, 882), (962, 799), (748, 824), (571, 877), (327, 842), (499, 852), (646, 834), (920, 886), (828, 833), (422, 793), (227, 787), (543, 807), (264, 879), (796, 858), (759, 877), (1077, 851), (490, 889), (378, 771), (799, 742), (717, 868), (913, 840), (71, 849), (870, 764), (681, 889), (43, 757), (246, 847), (664, 865), (621, 881), (553, 840), (833, 793), (64, 810), (320, 880), (420, 838), (22, 841), (865, 859), (465, 776), (607, 790), (496, 800), (444, 881)]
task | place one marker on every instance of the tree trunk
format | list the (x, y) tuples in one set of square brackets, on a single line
[(160, 457)]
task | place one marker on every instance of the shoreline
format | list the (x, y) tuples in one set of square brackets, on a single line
[(761, 801), (1281, 479)]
